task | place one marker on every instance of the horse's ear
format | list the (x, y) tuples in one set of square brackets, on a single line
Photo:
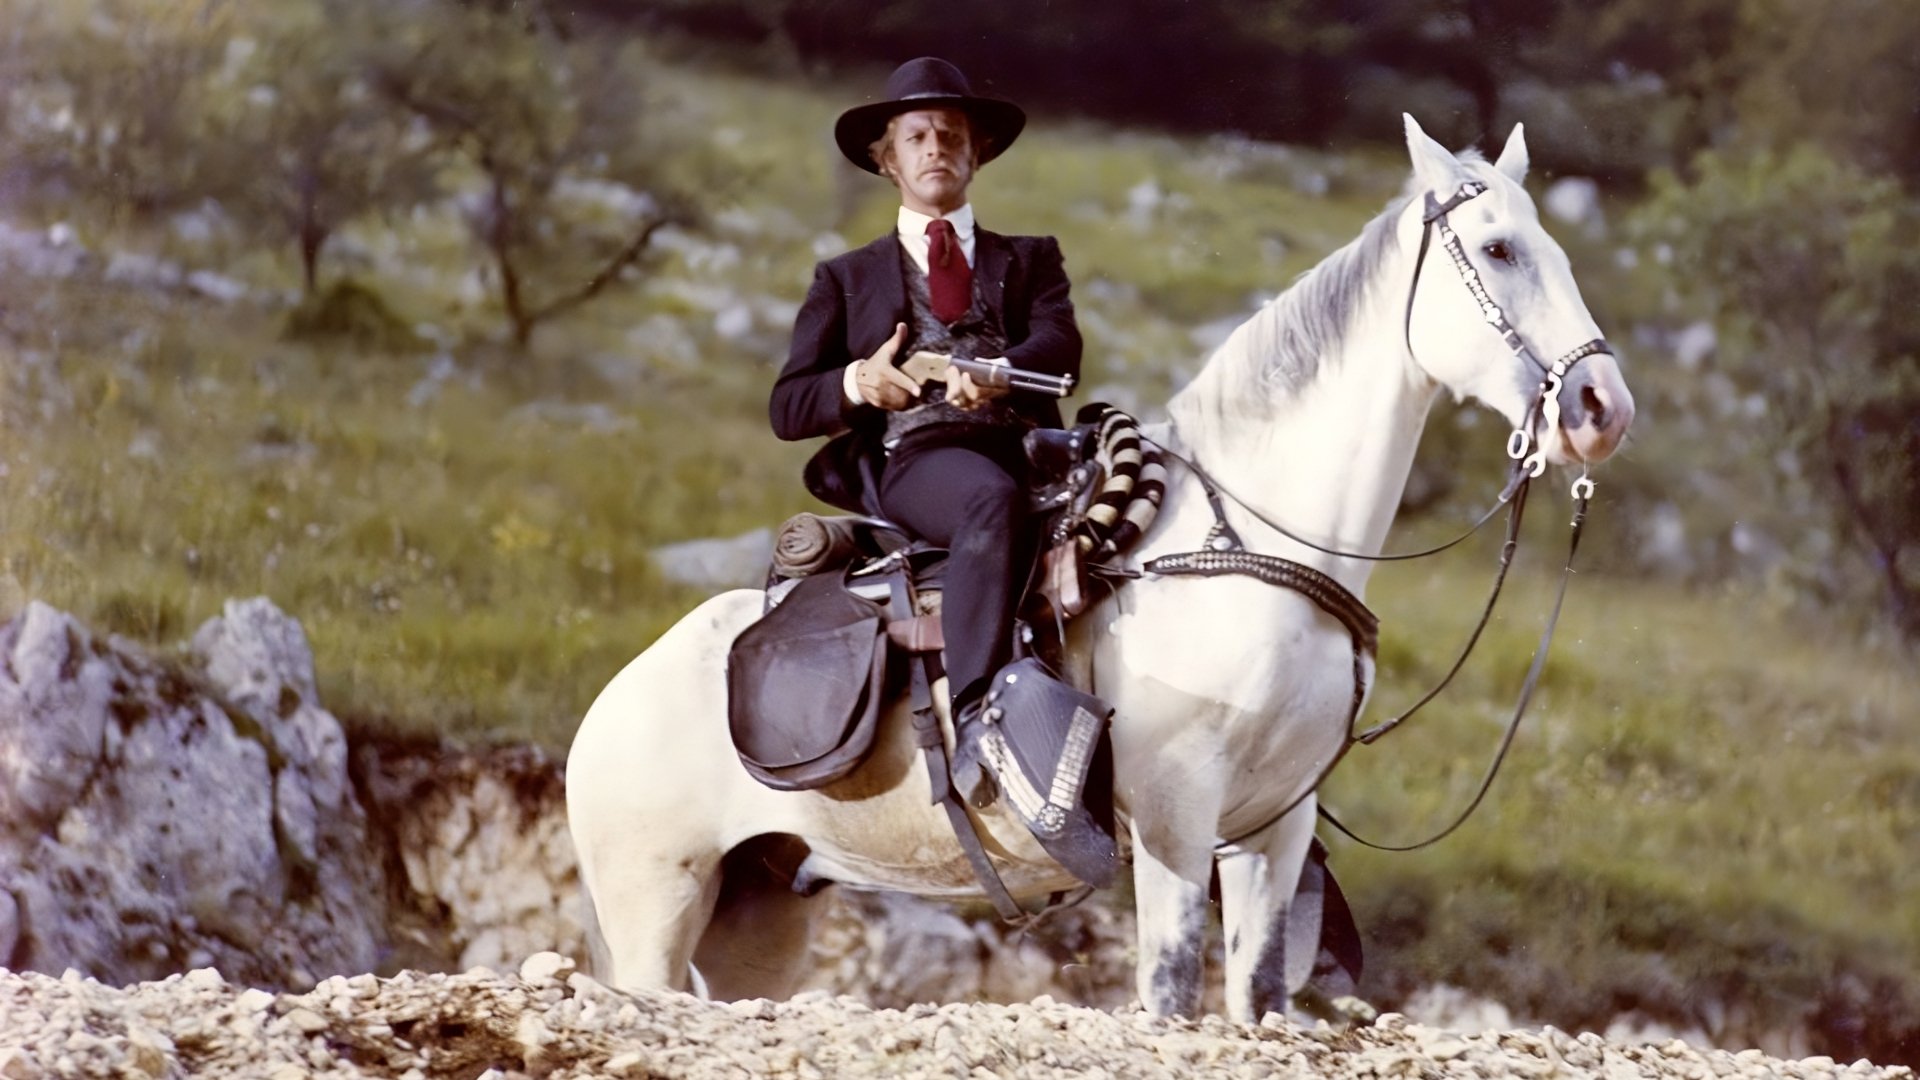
[(1433, 166), (1513, 158)]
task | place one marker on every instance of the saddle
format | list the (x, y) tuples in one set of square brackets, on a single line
[(853, 616)]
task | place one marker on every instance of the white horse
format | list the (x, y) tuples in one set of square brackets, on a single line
[(1232, 697)]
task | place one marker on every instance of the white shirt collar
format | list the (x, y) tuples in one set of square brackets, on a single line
[(912, 231), (914, 223)]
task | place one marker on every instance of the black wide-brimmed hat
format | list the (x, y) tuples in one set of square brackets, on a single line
[(927, 83)]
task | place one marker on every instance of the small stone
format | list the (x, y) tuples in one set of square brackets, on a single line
[(148, 1051), (753, 1009), (621, 1063), (205, 978), (17, 1064), (585, 985), (542, 966), (253, 1000), (1446, 1049), (308, 1022), (289, 1071)]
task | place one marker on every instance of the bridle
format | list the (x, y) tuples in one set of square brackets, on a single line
[(1223, 553), (1546, 402)]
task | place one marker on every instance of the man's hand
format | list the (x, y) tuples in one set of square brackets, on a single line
[(881, 384), (967, 394)]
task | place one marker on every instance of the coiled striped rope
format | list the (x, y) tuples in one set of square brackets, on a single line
[(1134, 480)]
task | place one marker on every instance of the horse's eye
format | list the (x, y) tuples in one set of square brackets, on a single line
[(1498, 249)]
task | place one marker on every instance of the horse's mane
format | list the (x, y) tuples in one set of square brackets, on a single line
[(1288, 338), (1281, 347)]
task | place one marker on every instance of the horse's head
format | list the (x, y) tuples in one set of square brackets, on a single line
[(1455, 337)]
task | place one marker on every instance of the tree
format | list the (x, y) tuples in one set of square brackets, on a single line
[(319, 143), (569, 188), (119, 97), (1811, 264)]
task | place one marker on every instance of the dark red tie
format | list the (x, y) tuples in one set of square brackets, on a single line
[(949, 278)]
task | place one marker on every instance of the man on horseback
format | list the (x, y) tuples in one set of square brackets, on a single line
[(942, 460)]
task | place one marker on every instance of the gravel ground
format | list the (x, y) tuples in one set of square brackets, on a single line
[(550, 1021)]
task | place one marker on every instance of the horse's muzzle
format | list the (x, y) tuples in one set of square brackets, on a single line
[(1596, 409)]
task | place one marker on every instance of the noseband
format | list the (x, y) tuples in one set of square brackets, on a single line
[(1546, 401)]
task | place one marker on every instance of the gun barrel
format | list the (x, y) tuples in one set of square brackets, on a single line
[(1005, 374)]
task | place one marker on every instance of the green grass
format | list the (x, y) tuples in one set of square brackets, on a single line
[(1711, 802), (1716, 793)]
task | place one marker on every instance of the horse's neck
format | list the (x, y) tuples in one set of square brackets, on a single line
[(1328, 460)]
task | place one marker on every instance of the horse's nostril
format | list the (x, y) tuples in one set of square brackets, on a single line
[(1595, 401)]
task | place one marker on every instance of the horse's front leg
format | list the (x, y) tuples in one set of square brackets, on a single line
[(1258, 877), (1173, 838)]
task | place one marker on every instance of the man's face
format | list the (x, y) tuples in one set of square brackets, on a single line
[(932, 153)]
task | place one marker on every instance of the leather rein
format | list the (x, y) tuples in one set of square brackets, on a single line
[(1223, 552)]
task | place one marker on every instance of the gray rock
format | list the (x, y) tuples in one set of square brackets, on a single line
[(1693, 344), (149, 821), (734, 322), (731, 562), (1574, 200), (49, 254), (1662, 542), (217, 287), (480, 836), (55, 698), (143, 271)]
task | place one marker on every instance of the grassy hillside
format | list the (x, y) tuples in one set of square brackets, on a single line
[(464, 531), (1711, 814)]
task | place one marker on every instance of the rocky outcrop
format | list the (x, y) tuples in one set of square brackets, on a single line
[(156, 817), (477, 847), (152, 820)]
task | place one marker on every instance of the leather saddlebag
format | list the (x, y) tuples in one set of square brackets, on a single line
[(805, 685)]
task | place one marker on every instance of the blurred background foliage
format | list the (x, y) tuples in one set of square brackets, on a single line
[(441, 322)]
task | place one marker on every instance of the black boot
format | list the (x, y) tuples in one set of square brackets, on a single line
[(970, 776)]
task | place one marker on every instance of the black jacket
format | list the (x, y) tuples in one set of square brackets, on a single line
[(851, 309)]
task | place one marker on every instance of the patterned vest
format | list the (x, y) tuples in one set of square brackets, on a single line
[(978, 333)]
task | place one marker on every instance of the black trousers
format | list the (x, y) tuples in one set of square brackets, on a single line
[(968, 493)]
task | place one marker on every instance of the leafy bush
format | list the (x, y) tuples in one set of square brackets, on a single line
[(353, 315), (1810, 265)]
